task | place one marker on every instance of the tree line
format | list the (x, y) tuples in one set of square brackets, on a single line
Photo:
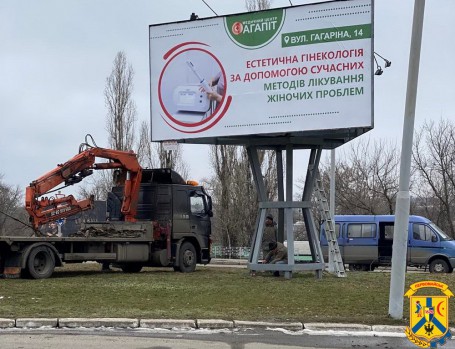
[(366, 178)]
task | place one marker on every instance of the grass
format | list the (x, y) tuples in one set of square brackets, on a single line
[(83, 291)]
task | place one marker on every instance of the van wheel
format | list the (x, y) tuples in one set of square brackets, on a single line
[(439, 266), (40, 263), (187, 258), (358, 267)]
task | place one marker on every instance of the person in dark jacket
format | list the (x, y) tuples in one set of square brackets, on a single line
[(278, 253), (269, 234)]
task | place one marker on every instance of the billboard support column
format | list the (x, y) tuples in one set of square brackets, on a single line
[(312, 172), (287, 205), (259, 181), (288, 211), (279, 169)]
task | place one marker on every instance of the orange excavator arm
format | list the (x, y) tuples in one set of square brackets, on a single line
[(44, 209)]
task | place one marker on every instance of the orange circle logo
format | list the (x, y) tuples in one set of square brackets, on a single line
[(237, 28)]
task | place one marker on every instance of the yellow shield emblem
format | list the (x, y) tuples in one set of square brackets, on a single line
[(429, 316)]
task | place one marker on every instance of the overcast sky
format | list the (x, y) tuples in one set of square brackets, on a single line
[(55, 56)]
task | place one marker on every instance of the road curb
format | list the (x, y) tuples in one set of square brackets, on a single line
[(189, 324), (316, 326), (166, 323), (214, 324), (98, 322), (36, 322), (388, 328), (292, 326), (7, 323)]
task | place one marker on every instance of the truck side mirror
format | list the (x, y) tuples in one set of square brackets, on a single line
[(434, 238)]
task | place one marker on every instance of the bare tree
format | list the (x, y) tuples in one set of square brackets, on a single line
[(223, 160), (256, 5), (10, 209), (120, 122), (366, 178), (235, 195), (434, 162), (154, 156), (145, 151), (97, 185), (121, 109)]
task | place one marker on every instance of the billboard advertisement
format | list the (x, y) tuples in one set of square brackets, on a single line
[(302, 68)]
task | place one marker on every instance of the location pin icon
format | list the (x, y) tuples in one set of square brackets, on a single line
[(286, 39)]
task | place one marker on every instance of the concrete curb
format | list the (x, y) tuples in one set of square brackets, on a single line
[(98, 322), (7, 323), (214, 324), (36, 323), (292, 326), (388, 328), (315, 326), (166, 323), (189, 324)]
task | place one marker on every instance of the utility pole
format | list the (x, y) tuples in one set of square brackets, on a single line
[(400, 232)]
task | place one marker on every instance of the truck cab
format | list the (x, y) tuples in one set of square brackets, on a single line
[(166, 198)]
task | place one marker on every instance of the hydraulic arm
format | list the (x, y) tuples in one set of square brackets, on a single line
[(44, 209)]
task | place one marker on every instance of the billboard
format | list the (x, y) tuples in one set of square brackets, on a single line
[(296, 69)]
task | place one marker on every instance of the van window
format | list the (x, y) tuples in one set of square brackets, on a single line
[(422, 232), (442, 235), (361, 230)]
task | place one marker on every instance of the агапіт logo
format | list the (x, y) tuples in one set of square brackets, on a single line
[(256, 29), (429, 315)]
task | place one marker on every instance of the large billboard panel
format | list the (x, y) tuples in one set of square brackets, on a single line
[(302, 68)]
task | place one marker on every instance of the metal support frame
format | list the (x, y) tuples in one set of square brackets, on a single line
[(285, 206)]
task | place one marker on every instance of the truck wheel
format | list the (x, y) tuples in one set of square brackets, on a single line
[(358, 267), (131, 267), (187, 258), (40, 263), (439, 266)]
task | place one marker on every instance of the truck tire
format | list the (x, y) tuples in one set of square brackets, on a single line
[(187, 258), (359, 267), (131, 267), (439, 266), (40, 263)]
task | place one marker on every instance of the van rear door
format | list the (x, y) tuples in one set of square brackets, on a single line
[(360, 243)]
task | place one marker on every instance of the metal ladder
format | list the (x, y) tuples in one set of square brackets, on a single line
[(336, 264)]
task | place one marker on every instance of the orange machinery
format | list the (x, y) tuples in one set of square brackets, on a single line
[(44, 209)]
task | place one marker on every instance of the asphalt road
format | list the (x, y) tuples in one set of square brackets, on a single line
[(162, 339)]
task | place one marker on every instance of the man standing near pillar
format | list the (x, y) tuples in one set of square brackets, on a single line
[(269, 235)]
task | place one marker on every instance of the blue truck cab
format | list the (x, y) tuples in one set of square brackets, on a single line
[(365, 242)]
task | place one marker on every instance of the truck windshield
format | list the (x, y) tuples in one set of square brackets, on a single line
[(444, 236)]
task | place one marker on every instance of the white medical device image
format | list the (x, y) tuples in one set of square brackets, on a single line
[(190, 98), (202, 81)]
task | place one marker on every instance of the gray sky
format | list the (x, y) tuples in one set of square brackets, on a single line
[(55, 56)]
